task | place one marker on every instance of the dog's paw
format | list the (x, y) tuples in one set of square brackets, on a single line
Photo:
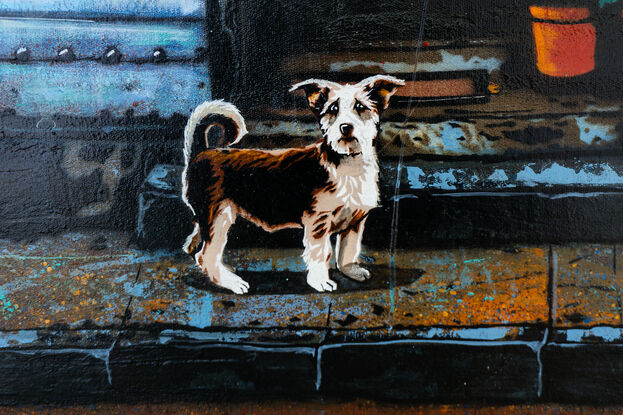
[(233, 282), (321, 283), (355, 272)]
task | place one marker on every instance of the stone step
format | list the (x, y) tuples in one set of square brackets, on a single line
[(440, 203), (91, 317)]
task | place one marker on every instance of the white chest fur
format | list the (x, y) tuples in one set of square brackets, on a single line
[(358, 191), (356, 185)]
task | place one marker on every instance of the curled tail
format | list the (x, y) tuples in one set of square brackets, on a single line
[(206, 115)]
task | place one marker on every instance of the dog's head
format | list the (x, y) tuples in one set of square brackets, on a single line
[(349, 114)]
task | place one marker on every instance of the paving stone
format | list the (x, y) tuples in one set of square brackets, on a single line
[(466, 287), (73, 280), (359, 307), (172, 292), (586, 373), (588, 285), (430, 371), (54, 375), (213, 371)]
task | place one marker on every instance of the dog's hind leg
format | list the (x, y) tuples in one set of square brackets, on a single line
[(193, 241), (210, 258)]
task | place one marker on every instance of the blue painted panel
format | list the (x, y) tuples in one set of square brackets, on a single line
[(144, 8), (85, 88), (44, 37)]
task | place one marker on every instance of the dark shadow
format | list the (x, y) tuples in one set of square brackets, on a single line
[(280, 282)]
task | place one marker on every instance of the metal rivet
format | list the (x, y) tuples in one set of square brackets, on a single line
[(158, 55), (65, 54), (46, 123), (111, 55), (22, 54)]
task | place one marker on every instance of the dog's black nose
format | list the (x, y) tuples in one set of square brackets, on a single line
[(346, 129)]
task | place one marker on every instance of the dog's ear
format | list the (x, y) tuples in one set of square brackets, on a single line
[(380, 88), (316, 91)]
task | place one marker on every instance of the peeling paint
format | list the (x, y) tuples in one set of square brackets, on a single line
[(591, 132), (573, 174), (449, 62), (607, 334), (557, 174), (448, 137), (200, 314), (498, 175), (9, 339), (445, 180)]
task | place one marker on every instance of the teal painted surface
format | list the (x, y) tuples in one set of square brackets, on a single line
[(602, 3), (151, 8), (87, 88), (89, 39)]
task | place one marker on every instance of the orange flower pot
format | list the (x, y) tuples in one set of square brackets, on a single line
[(564, 40)]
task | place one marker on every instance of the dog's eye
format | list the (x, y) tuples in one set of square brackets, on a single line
[(359, 107), (333, 108)]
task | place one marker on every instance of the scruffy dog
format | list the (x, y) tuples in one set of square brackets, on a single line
[(325, 188)]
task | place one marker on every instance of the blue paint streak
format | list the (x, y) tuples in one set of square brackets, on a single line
[(608, 334), (488, 333), (16, 338)]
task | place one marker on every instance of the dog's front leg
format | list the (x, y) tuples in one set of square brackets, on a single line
[(348, 249), (317, 254)]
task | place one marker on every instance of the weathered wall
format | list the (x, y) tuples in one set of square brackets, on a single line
[(495, 252)]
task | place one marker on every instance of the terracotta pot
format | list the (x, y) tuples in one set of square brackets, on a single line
[(564, 40)]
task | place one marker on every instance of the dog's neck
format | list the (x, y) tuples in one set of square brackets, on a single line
[(348, 165)]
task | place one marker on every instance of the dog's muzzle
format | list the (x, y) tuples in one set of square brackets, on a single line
[(347, 133)]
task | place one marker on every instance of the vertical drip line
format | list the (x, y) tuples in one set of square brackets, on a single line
[(551, 288), (396, 196)]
